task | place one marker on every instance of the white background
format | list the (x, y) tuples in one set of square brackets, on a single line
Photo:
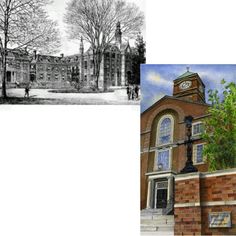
[(74, 170)]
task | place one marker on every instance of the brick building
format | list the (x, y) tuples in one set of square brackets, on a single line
[(116, 66), (46, 71), (162, 139), (18, 67), (49, 71), (198, 203), (163, 152)]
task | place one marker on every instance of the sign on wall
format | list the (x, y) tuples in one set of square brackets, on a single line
[(219, 220)]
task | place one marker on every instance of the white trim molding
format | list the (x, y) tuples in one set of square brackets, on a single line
[(219, 173), (205, 204), (194, 175), (146, 132), (164, 174), (196, 123), (195, 153), (206, 174), (219, 203), (187, 204)]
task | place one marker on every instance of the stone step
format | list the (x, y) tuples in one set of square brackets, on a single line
[(151, 216), (145, 228), (158, 233), (159, 226), (154, 211), (148, 228), (158, 222), (168, 217), (151, 213), (166, 228)]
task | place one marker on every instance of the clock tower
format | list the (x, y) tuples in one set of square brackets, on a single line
[(189, 86)]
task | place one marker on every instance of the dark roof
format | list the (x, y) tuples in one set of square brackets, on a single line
[(174, 98), (186, 74)]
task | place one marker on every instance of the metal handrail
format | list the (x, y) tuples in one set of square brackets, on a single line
[(169, 206)]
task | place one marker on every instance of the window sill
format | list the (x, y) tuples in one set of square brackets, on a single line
[(198, 163), (164, 145), (158, 170), (197, 134)]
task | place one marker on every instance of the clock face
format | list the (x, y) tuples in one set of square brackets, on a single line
[(185, 84)]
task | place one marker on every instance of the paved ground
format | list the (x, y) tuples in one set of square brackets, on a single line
[(43, 96)]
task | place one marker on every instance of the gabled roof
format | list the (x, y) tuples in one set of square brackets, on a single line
[(186, 74), (174, 98)]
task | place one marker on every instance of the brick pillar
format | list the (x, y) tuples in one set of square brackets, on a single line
[(187, 205)]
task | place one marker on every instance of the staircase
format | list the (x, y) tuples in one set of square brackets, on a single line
[(154, 223)]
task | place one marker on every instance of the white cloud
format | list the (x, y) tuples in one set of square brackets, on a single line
[(148, 100), (155, 79), (215, 78)]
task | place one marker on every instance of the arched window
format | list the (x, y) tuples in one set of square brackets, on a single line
[(165, 130)]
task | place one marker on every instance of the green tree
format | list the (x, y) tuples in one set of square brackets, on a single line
[(220, 128), (138, 58), (25, 24)]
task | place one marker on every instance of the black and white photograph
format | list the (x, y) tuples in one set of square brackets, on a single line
[(71, 52)]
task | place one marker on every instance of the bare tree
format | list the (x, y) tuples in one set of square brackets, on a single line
[(25, 24), (96, 21)]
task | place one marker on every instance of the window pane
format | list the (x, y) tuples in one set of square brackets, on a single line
[(199, 153), (197, 128), (165, 131), (163, 159)]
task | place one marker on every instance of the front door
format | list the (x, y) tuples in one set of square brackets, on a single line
[(8, 76), (161, 198), (161, 192)]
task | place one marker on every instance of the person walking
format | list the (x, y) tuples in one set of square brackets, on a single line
[(128, 89), (133, 92), (136, 89), (27, 89)]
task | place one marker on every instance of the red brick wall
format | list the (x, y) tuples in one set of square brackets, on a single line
[(143, 170), (187, 219), (219, 188), (205, 190)]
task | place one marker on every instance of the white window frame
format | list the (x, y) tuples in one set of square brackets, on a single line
[(196, 123), (156, 158), (158, 130), (195, 154)]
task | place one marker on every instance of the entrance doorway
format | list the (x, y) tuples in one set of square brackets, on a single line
[(8, 76), (32, 77), (161, 193)]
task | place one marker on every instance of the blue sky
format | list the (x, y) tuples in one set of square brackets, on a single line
[(157, 80)]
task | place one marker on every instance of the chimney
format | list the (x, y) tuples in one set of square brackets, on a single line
[(62, 55), (35, 54)]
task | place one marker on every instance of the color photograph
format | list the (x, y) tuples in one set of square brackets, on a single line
[(188, 149)]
